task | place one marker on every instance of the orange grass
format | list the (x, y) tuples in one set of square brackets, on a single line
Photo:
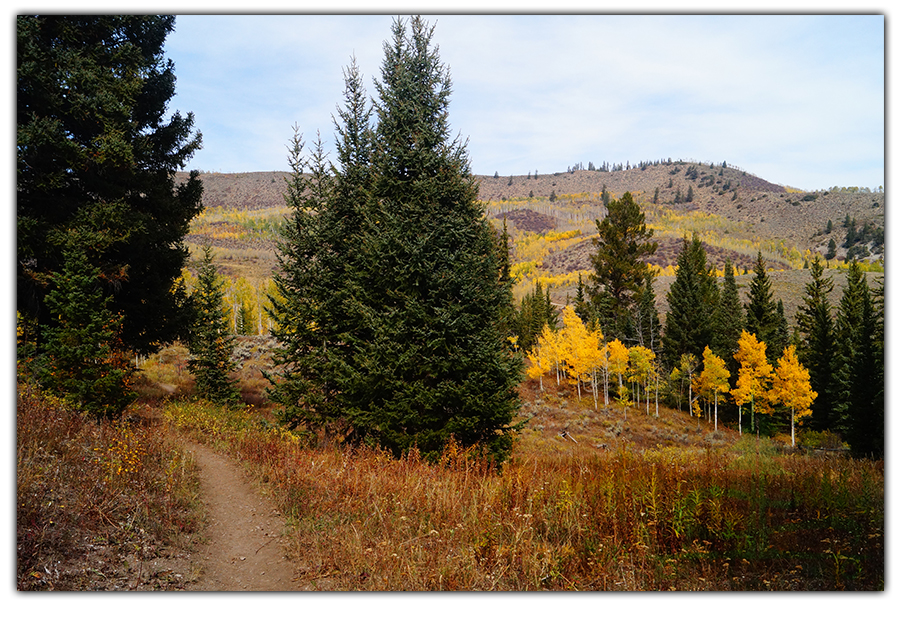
[(98, 504), (739, 518)]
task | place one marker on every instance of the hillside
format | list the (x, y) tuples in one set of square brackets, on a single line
[(551, 220), (768, 211)]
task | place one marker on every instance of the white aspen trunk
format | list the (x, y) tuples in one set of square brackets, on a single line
[(716, 417), (792, 426)]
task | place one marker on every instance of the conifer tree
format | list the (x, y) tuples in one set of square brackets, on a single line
[(693, 298), (859, 402), (817, 350), (96, 151), (619, 262), (211, 344), (646, 320), (761, 309), (426, 355), (728, 320), (84, 360)]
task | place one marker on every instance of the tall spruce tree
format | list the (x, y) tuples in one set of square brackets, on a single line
[(817, 350), (418, 353), (83, 360), (859, 402), (646, 317), (316, 319), (693, 298), (619, 263), (305, 386), (761, 310), (728, 320), (95, 152), (211, 344)]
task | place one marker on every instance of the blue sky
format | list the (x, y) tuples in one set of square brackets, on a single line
[(796, 99)]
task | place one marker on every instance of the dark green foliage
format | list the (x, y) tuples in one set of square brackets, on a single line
[(781, 335), (859, 401), (693, 298), (762, 310), (394, 330), (310, 348), (582, 304), (728, 321), (646, 317), (619, 264), (535, 311), (83, 360), (211, 344), (832, 250), (94, 152), (817, 350)]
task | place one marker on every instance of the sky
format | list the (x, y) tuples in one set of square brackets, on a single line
[(798, 100)]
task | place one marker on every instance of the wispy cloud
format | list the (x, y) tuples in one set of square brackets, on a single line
[(797, 99)]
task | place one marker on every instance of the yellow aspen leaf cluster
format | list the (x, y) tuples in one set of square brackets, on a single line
[(791, 387), (712, 381)]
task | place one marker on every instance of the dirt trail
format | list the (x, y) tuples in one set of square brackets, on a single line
[(244, 552)]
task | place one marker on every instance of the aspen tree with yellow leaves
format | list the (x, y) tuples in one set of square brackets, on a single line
[(541, 363), (754, 376), (713, 380), (641, 368), (791, 387), (618, 365)]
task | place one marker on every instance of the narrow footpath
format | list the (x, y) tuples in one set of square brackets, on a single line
[(244, 533)]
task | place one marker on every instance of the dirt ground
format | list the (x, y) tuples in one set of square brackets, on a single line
[(244, 534)]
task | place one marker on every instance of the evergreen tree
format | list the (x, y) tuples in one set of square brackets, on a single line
[(535, 312), (728, 320), (817, 350), (95, 152), (781, 335), (316, 318), (84, 361), (693, 298), (761, 309), (859, 402), (619, 264), (646, 319), (832, 250), (211, 344), (305, 387), (424, 352)]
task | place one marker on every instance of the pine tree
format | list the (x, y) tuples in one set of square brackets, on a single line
[(859, 402), (84, 360), (646, 321), (211, 344), (305, 385), (817, 350), (621, 247), (761, 309), (728, 320), (693, 298), (96, 152), (429, 358)]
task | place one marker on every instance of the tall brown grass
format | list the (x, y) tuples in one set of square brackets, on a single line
[(747, 517), (100, 505)]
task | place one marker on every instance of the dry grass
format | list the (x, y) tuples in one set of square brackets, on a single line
[(701, 512), (100, 506)]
